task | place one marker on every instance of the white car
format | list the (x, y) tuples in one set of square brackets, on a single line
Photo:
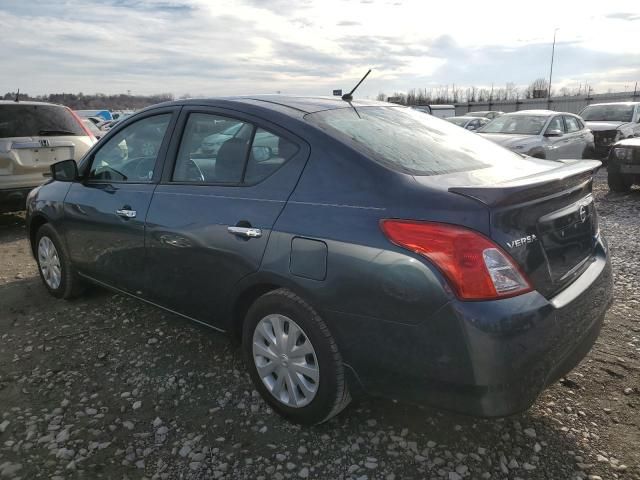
[(542, 134), (33, 135), (470, 123)]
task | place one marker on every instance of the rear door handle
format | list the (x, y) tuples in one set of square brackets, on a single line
[(126, 212), (245, 232)]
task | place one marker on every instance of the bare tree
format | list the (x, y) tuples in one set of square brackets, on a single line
[(539, 88)]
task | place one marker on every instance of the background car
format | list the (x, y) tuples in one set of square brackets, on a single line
[(541, 134), (611, 122), (443, 111), (92, 127), (623, 167), (470, 123), (490, 114), (376, 247), (103, 114), (33, 135)]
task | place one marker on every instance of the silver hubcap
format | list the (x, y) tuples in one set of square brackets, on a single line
[(49, 262), (285, 360)]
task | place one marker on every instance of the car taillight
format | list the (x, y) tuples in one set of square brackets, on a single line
[(82, 125), (476, 268)]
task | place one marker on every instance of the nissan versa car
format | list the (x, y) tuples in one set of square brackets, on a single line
[(541, 134), (33, 135), (371, 247)]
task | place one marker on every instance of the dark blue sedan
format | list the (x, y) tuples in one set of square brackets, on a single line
[(348, 247)]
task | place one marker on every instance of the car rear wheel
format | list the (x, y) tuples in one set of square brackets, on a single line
[(56, 272), (293, 359), (618, 182)]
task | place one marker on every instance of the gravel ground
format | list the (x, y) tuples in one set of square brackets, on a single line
[(109, 387)]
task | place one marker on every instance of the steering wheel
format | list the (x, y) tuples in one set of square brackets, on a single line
[(193, 171), (140, 168)]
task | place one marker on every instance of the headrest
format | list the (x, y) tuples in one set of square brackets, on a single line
[(230, 160)]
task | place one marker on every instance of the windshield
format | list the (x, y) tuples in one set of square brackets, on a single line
[(516, 125), (18, 120), (411, 142), (461, 122), (608, 113)]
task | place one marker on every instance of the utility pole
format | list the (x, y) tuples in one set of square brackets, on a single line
[(553, 51)]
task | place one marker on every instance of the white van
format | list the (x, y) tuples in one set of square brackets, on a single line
[(443, 111)]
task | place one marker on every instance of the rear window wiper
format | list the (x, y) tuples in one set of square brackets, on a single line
[(56, 132)]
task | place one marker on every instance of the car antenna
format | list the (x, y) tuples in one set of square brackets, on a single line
[(347, 97), (17, 96)]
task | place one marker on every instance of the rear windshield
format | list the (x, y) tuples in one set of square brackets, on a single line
[(37, 121), (516, 124), (608, 113), (410, 141)]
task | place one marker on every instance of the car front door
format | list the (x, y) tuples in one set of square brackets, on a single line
[(211, 216), (105, 211)]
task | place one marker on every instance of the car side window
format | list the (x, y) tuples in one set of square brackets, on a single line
[(213, 149), (268, 153), (130, 156), (571, 123), (216, 149), (556, 124)]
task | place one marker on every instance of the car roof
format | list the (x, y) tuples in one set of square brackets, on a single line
[(542, 113), (29, 102), (299, 104), (613, 103)]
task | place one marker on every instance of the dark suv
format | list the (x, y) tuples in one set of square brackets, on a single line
[(347, 246)]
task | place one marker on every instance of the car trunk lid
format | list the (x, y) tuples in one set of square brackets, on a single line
[(546, 221)]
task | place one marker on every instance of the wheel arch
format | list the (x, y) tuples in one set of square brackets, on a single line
[(249, 290), (36, 221)]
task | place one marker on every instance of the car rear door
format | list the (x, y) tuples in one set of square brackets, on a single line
[(105, 212), (576, 135), (211, 216), (557, 147)]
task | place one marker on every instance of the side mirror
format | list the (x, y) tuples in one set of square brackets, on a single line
[(471, 127), (553, 133), (261, 154), (65, 171)]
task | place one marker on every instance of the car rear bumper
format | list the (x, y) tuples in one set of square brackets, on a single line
[(14, 199), (481, 358)]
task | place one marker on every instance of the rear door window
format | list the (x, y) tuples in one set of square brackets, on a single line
[(24, 120), (222, 150), (572, 124)]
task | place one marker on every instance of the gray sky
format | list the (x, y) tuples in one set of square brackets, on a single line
[(310, 47)]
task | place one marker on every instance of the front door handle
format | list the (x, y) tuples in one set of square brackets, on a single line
[(245, 232), (126, 212)]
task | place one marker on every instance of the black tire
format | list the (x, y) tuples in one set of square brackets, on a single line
[(618, 182), (70, 285), (332, 394)]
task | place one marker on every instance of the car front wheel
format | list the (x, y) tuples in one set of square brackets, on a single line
[(56, 272), (293, 359), (618, 182)]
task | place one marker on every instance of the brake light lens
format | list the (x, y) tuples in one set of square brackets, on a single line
[(476, 268)]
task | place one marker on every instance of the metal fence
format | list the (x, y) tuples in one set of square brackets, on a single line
[(573, 104)]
